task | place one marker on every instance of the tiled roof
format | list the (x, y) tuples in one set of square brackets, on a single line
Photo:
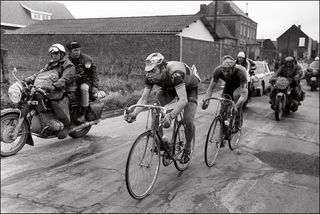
[(120, 25), (13, 12), (293, 28), (222, 31)]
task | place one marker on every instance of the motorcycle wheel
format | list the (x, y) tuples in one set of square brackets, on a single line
[(278, 108), (8, 145), (80, 133)]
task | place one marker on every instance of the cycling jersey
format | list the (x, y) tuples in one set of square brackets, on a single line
[(176, 74), (237, 78)]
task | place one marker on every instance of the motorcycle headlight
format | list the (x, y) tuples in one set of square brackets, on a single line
[(87, 64), (15, 92)]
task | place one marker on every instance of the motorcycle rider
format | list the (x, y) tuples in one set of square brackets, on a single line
[(294, 73), (250, 66), (63, 89), (235, 79), (175, 79), (87, 78)]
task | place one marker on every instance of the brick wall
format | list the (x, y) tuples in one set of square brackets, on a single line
[(113, 54), (116, 54)]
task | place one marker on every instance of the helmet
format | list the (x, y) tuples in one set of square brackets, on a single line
[(317, 58), (153, 60), (228, 62), (73, 45), (241, 54), (56, 48), (289, 59)]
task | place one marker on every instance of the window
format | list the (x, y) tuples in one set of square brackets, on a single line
[(302, 41), (40, 16)]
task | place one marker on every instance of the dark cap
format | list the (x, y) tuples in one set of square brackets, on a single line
[(73, 45)]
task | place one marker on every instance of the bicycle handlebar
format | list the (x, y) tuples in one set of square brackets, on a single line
[(220, 99), (163, 110)]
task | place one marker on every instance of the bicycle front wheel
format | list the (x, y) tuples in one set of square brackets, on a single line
[(142, 166), (213, 142)]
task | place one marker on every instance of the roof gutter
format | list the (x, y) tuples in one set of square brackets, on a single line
[(11, 25)]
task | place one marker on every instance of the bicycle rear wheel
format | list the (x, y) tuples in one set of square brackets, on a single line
[(213, 142), (142, 166), (235, 136), (179, 145)]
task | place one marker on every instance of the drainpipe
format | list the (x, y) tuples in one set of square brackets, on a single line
[(220, 52), (180, 48)]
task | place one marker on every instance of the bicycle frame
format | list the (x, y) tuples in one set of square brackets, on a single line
[(157, 113), (226, 128)]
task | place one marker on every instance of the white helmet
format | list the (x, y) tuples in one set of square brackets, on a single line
[(241, 54), (56, 48), (153, 60), (317, 58)]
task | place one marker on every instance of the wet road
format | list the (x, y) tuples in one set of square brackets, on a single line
[(275, 169)]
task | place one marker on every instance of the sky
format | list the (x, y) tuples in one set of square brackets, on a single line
[(273, 17)]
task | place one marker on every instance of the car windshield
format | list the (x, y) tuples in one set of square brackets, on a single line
[(260, 68)]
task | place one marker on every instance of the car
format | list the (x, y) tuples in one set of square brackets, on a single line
[(261, 77)]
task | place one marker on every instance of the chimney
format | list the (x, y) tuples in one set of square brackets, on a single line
[(299, 26), (203, 9)]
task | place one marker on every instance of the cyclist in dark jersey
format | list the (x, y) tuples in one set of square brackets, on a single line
[(235, 84), (175, 79)]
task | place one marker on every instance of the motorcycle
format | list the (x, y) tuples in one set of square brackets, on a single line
[(283, 101), (34, 115), (312, 78)]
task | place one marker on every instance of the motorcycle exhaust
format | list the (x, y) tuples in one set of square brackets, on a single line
[(95, 122)]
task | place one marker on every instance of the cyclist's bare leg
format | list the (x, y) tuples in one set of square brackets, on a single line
[(163, 98), (236, 95), (189, 115)]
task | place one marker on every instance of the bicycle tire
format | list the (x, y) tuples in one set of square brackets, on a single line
[(213, 142), (133, 174), (234, 140), (179, 145)]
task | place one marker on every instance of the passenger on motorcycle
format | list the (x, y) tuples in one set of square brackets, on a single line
[(57, 78), (294, 73), (250, 66), (175, 79), (86, 78), (235, 85)]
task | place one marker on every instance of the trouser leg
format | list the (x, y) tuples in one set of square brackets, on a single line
[(61, 109)]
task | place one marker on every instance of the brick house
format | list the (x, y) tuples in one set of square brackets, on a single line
[(118, 45), (240, 30), (294, 42), (18, 14)]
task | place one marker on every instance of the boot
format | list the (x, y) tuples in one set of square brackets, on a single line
[(82, 114)]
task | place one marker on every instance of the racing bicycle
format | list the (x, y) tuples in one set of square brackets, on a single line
[(222, 129), (143, 162)]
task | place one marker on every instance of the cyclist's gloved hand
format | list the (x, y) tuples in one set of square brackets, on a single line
[(129, 116), (167, 121), (205, 104)]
